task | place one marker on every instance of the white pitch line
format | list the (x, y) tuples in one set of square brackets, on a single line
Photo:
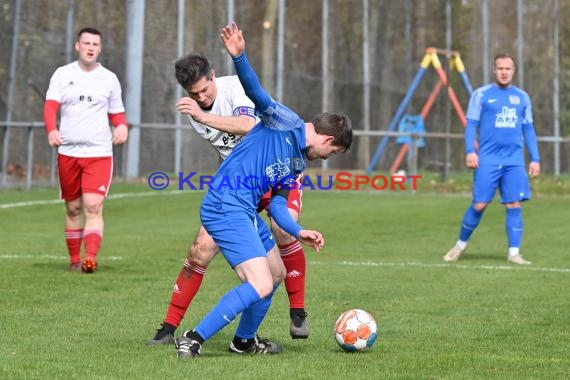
[(342, 263), (456, 266), (31, 203), (111, 197), (49, 257)]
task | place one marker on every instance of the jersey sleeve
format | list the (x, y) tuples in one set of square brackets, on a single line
[(115, 97), (273, 114), (475, 106), (51, 107), (54, 89), (279, 212), (251, 84), (470, 135), (527, 116), (241, 104), (529, 133)]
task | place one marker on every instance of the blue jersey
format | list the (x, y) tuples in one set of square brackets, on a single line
[(272, 153), (504, 117)]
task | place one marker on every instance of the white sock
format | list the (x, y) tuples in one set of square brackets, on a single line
[(461, 244), (514, 251)]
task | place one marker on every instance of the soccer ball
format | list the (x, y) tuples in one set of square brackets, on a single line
[(355, 330)]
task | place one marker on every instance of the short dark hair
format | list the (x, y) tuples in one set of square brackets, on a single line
[(191, 68), (90, 31), (335, 124), (504, 56)]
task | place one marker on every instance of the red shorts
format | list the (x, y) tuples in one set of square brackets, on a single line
[(293, 201), (79, 175)]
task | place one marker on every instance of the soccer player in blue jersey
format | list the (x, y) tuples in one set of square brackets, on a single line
[(220, 113), (503, 115), (270, 156)]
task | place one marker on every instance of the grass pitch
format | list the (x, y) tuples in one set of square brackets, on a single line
[(479, 318)]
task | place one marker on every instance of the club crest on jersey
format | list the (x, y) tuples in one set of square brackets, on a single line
[(298, 164), (514, 99)]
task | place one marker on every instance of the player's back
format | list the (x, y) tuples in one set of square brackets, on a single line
[(265, 157)]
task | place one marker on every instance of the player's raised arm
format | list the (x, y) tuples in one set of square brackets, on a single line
[(233, 39), (234, 42)]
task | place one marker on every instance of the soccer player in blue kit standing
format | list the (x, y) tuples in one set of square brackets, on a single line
[(270, 156), (503, 113)]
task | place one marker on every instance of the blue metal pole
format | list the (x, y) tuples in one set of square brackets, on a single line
[(466, 82), (396, 118)]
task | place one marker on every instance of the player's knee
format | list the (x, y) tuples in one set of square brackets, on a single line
[(279, 275), (264, 288), (73, 211), (480, 207), (93, 208), (201, 253)]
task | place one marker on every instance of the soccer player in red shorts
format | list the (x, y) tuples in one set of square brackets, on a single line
[(220, 112), (89, 97)]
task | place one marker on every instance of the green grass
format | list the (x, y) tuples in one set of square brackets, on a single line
[(479, 318)]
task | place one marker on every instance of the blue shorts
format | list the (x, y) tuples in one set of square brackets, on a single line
[(512, 182), (241, 235)]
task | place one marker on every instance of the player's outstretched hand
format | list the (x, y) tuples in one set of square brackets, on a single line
[(312, 238), (233, 39)]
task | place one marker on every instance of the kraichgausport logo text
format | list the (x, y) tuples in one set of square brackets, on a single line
[(340, 181)]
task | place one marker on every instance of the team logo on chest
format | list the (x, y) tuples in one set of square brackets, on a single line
[(298, 164), (278, 169), (514, 99), (507, 118)]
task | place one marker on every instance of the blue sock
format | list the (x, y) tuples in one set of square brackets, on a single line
[(471, 220), (227, 308), (514, 226), (252, 317)]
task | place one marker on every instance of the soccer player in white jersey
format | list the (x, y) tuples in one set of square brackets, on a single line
[(89, 97), (220, 112), (503, 114)]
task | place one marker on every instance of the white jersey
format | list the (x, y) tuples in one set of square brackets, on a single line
[(230, 101), (86, 99)]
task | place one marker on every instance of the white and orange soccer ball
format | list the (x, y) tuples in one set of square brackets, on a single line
[(355, 330)]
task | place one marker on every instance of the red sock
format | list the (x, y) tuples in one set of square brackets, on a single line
[(73, 240), (293, 257), (186, 286), (92, 240)]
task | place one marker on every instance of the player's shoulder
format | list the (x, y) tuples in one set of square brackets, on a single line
[(519, 91), (229, 83), (70, 67), (481, 91), (64, 73), (106, 72)]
